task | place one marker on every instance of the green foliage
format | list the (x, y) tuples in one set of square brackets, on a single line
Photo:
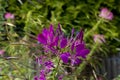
[(31, 16), (117, 78)]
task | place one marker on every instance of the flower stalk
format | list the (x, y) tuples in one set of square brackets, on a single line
[(90, 32), (83, 65)]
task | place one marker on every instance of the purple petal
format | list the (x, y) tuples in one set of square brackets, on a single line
[(83, 53), (58, 30), (45, 32), (55, 41), (51, 31), (51, 28), (9, 15), (79, 47), (76, 61), (49, 64), (2, 52), (42, 77), (60, 77), (52, 49), (65, 57), (72, 33), (36, 78), (105, 13), (63, 43), (72, 46), (80, 36), (42, 39)]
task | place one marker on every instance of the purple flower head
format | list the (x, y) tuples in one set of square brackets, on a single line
[(78, 48), (9, 15), (106, 14), (48, 39), (2, 52), (98, 38), (65, 57), (57, 42)]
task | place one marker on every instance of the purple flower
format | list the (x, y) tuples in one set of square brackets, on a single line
[(48, 39), (106, 14), (56, 42), (98, 38), (78, 48), (9, 15), (2, 52)]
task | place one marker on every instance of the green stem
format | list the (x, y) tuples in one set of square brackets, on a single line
[(7, 32), (75, 77), (16, 66), (56, 69), (83, 65), (88, 33)]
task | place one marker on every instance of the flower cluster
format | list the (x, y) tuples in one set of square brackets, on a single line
[(70, 50), (46, 65), (98, 38), (9, 15), (2, 52), (106, 14)]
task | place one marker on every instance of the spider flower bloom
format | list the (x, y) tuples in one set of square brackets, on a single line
[(48, 39), (99, 38), (78, 49), (106, 14), (2, 52), (9, 15)]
